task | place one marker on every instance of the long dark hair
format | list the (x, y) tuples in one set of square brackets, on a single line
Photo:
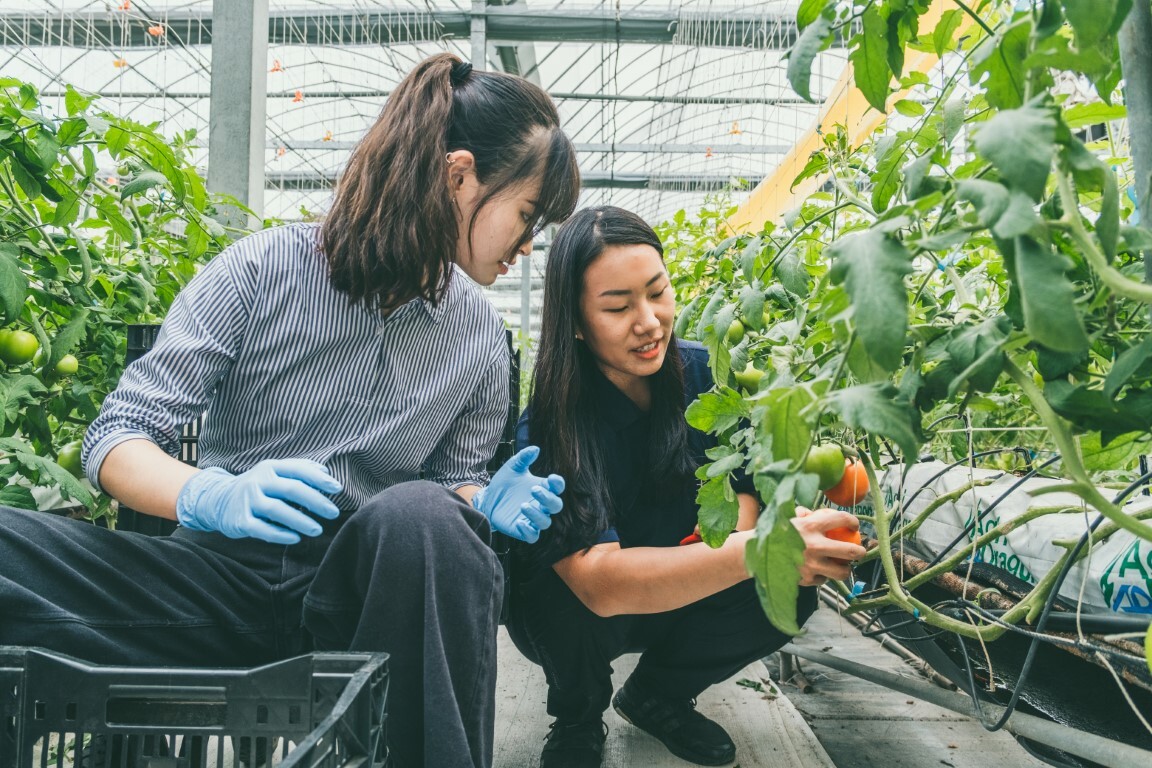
[(564, 411), (391, 235)]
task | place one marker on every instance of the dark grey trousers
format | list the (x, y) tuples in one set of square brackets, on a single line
[(411, 573)]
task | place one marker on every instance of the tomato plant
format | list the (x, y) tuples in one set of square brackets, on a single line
[(974, 263), (102, 221)]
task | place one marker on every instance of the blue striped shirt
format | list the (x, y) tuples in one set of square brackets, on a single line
[(282, 365)]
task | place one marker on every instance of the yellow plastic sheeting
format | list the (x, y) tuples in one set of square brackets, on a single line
[(845, 106)]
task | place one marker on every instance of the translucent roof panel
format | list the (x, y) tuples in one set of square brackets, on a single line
[(656, 122)]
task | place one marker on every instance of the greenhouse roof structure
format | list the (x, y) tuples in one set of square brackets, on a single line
[(664, 100)]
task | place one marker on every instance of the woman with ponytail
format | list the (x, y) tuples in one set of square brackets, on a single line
[(610, 576), (354, 385)]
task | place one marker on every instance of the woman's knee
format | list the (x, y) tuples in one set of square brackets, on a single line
[(418, 507)]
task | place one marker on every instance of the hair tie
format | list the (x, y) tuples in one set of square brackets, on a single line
[(460, 72)]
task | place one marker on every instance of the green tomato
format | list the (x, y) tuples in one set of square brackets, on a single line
[(826, 461), (1148, 648), (67, 366), (749, 378), (69, 458), (17, 347), (735, 333)]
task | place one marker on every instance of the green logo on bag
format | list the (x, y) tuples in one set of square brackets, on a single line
[(1127, 581)]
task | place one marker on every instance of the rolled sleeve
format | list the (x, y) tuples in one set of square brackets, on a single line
[(462, 455), (173, 383)]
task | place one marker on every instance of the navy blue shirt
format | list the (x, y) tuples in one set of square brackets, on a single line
[(647, 514)]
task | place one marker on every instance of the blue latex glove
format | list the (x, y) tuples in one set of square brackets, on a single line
[(258, 503), (518, 503)]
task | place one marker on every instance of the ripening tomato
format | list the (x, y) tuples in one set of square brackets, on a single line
[(853, 486)]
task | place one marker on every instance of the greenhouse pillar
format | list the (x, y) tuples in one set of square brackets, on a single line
[(1136, 63), (237, 108), (479, 34)]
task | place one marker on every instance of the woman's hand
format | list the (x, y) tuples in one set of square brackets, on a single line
[(825, 558)]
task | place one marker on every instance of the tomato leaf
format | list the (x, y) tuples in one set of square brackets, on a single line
[(1092, 20), (17, 496), (779, 416), (718, 410), (946, 30), (874, 408), (1047, 296), (869, 57), (13, 281), (1021, 144), (15, 393), (816, 37), (872, 267), (1001, 60), (719, 510), (1127, 363), (775, 557), (141, 182)]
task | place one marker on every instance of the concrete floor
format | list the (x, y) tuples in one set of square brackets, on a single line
[(844, 722), (863, 725)]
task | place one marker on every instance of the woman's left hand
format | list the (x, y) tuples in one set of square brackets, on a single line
[(825, 558)]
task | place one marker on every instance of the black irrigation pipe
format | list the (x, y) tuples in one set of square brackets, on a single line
[(1041, 624)]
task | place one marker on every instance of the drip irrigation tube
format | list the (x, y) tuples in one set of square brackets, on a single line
[(1106, 752)]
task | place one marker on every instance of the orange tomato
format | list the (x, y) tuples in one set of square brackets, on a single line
[(845, 533), (852, 488)]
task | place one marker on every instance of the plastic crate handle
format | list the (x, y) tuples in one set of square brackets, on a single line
[(161, 705)]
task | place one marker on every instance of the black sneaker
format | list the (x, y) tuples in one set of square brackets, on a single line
[(684, 731), (574, 745)]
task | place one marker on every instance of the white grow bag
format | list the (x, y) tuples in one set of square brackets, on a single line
[(1116, 575)]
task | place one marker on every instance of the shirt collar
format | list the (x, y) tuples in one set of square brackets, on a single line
[(616, 408), (437, 311)]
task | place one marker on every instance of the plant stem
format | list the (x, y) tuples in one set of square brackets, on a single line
[(1074, 225), (975, 17)]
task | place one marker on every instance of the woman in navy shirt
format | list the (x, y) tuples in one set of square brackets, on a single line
[(608, 578)]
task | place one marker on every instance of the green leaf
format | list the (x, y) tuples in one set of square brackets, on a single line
[(17, 496), (1122, 452), (1018, 218), (1127, 363), (1020, 143), (1091, 20), (886, 179), (774, 559), (116, 139), (15, 393), (69, 485), (1047, 296), (13, 281), (817, 165), (1090, 172), (141, 182), (909, 108), (916, 177), (953, 118), (1089, 410), (809, 11), (946, 30), (748, 258), (988, 198), (684, 318), (869, 57), (68, 336), (874, 408), (1001, 59), (719, 510), (816, 37), (872, 267), (781, 415), (70, 131), (752, 306), (792, 274), (717, 411), (67, 210), (76, 102), (1093, 113)]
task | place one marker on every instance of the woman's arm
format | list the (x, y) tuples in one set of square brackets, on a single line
[(140, 475), (610, 580)]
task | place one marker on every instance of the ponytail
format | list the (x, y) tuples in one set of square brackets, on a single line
[(392, 232)]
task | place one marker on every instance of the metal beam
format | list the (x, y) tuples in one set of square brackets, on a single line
[(646, 149), (720, 101), (311, 180), (236, 121), (719, 27)]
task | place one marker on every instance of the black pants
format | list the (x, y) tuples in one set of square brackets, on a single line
[(410, 573), (683, 652)]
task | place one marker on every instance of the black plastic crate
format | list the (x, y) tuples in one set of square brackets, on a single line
[(322, 710)]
